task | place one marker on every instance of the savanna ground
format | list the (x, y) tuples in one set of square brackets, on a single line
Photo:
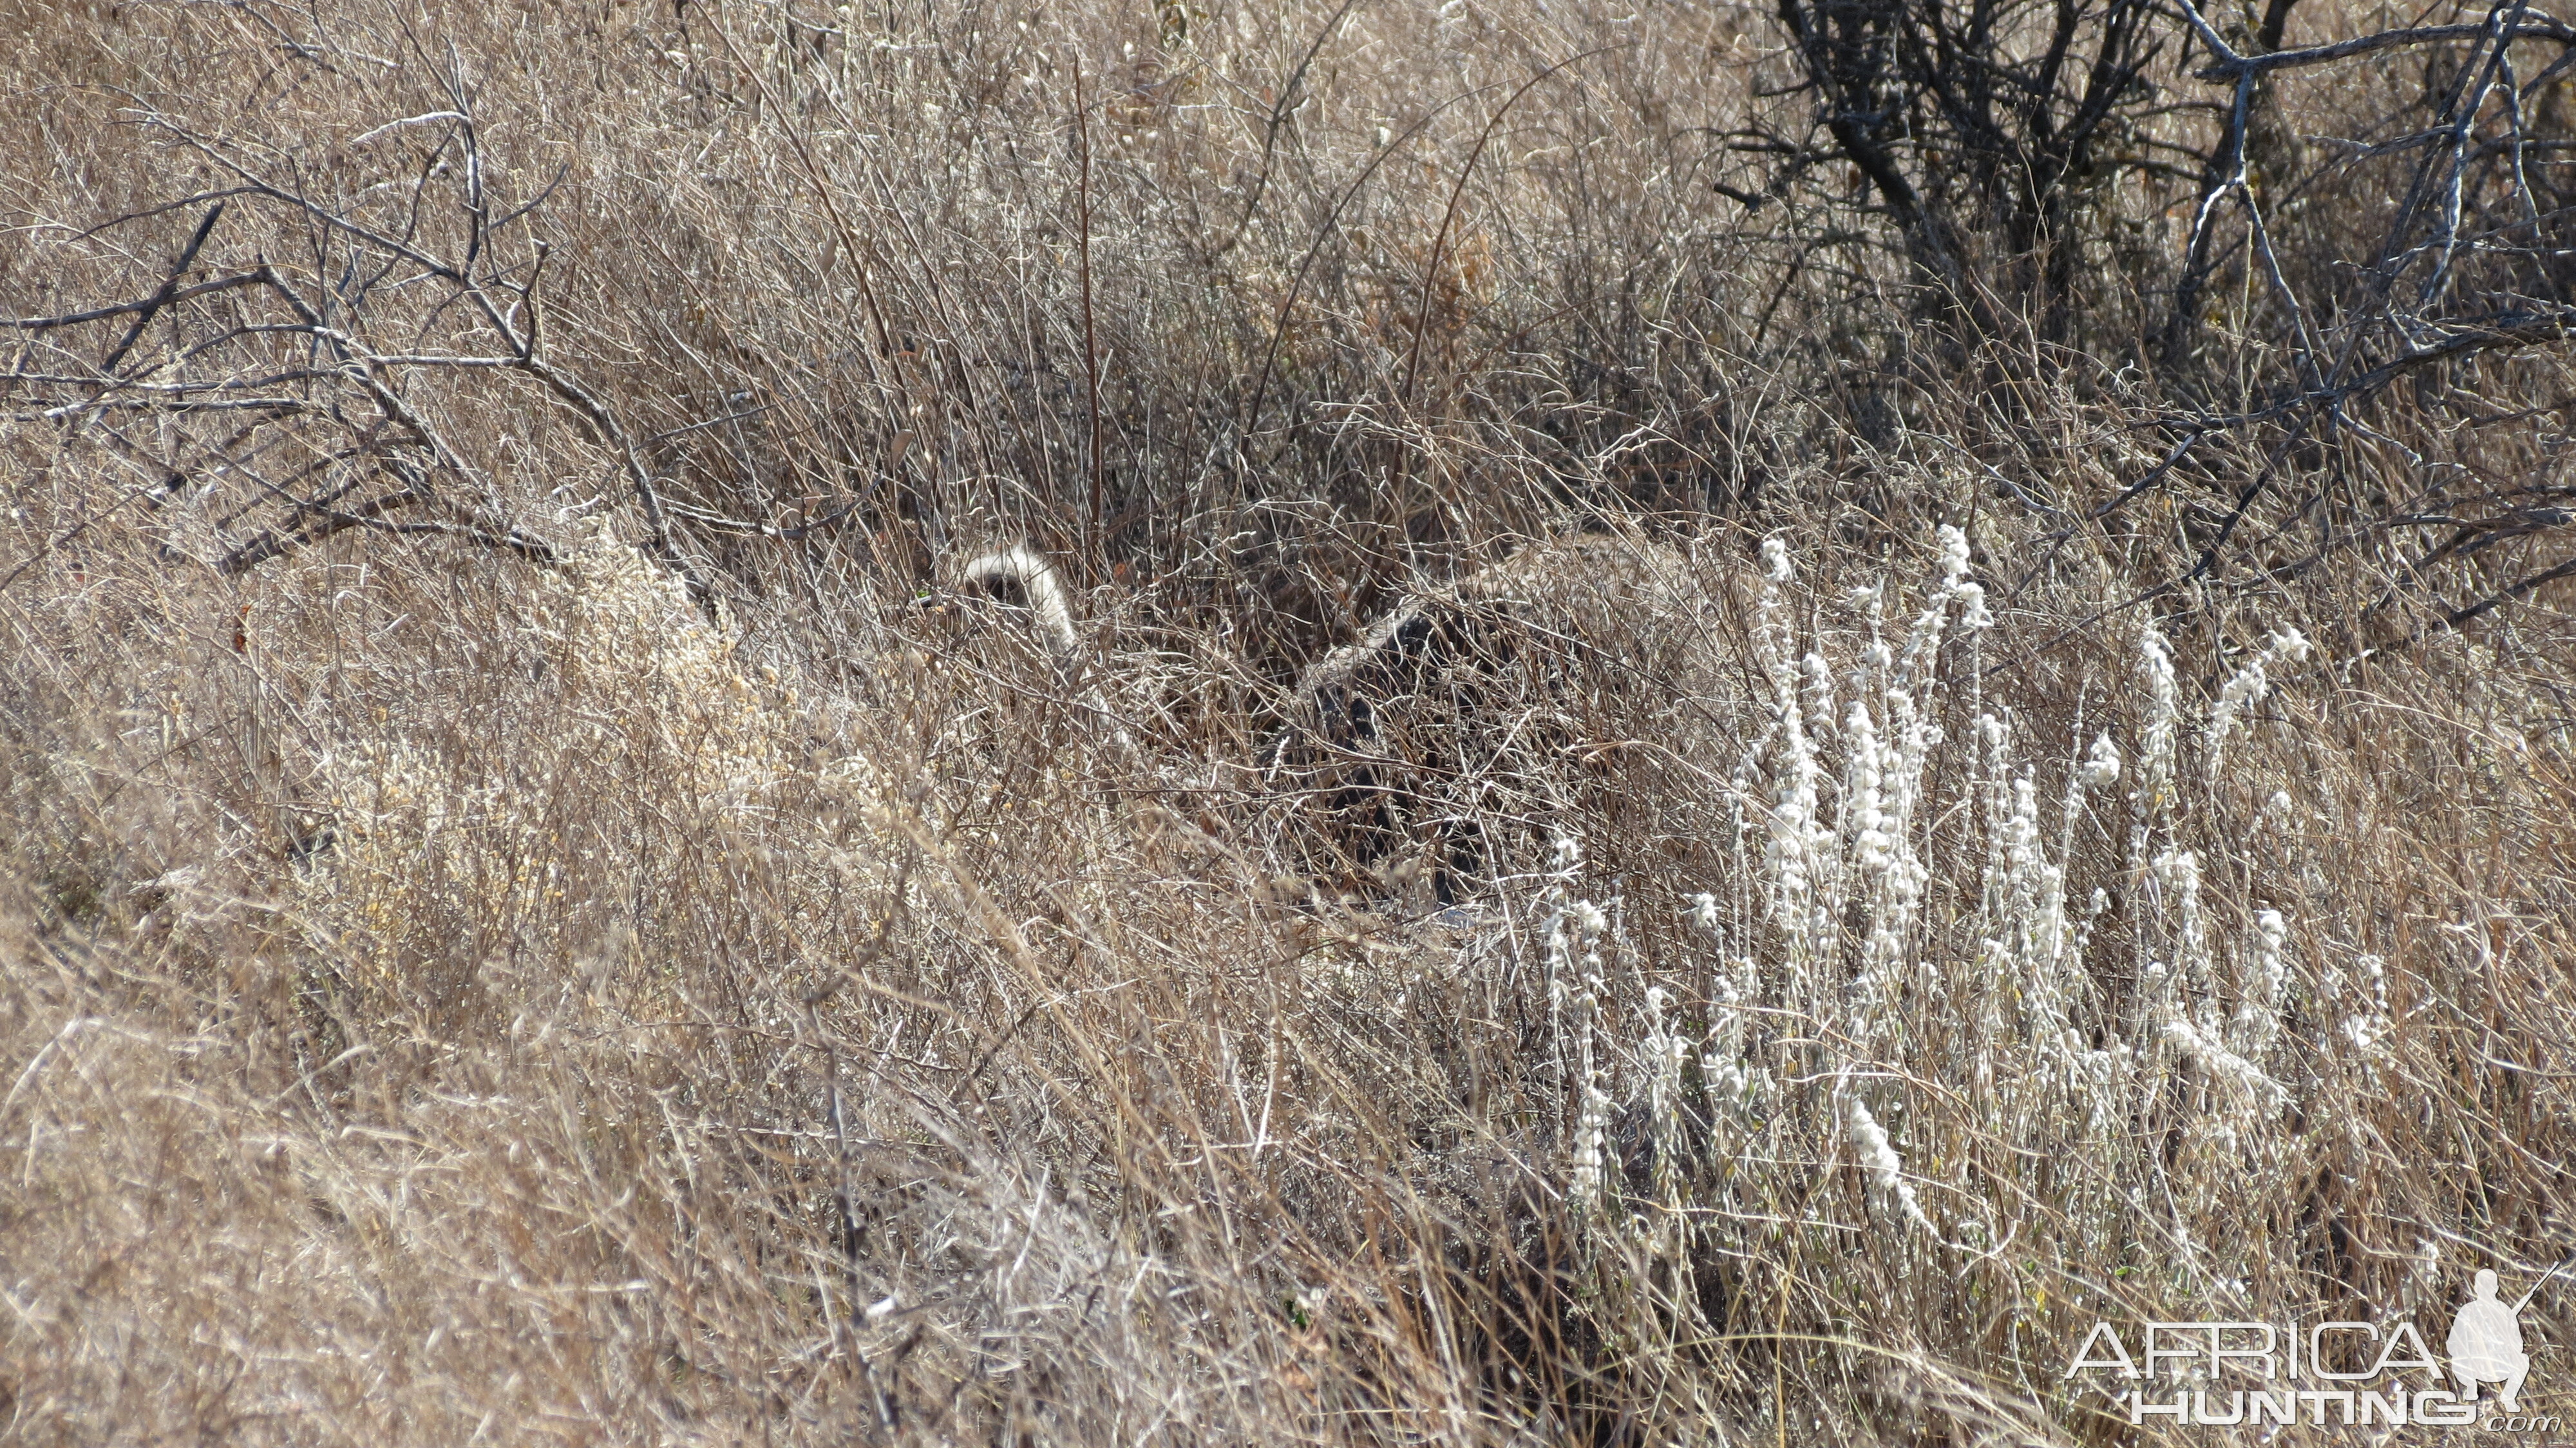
[(2032, 785)]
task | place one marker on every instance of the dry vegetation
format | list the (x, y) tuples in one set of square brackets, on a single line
[(2018, 771)]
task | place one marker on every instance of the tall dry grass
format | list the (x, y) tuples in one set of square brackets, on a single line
[(517, 981)]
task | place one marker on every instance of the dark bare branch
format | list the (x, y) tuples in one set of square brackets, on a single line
[(2228, 67), (149, 304), (169, 288)]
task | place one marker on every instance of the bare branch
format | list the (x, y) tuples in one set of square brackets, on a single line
[(2230, 66), (147, 305), (370, 515), (169, 289)]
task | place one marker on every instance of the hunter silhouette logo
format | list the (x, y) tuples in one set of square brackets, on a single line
[(2486, 1342), (2341, 1372)]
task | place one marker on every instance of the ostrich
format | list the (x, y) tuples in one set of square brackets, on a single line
[(1020, 577), (1023, 584), (1470, 720)]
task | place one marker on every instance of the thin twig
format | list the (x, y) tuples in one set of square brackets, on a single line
[(1449, 214), (1094, 520)]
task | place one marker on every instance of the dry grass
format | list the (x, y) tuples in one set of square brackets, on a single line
[(533, 979)]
